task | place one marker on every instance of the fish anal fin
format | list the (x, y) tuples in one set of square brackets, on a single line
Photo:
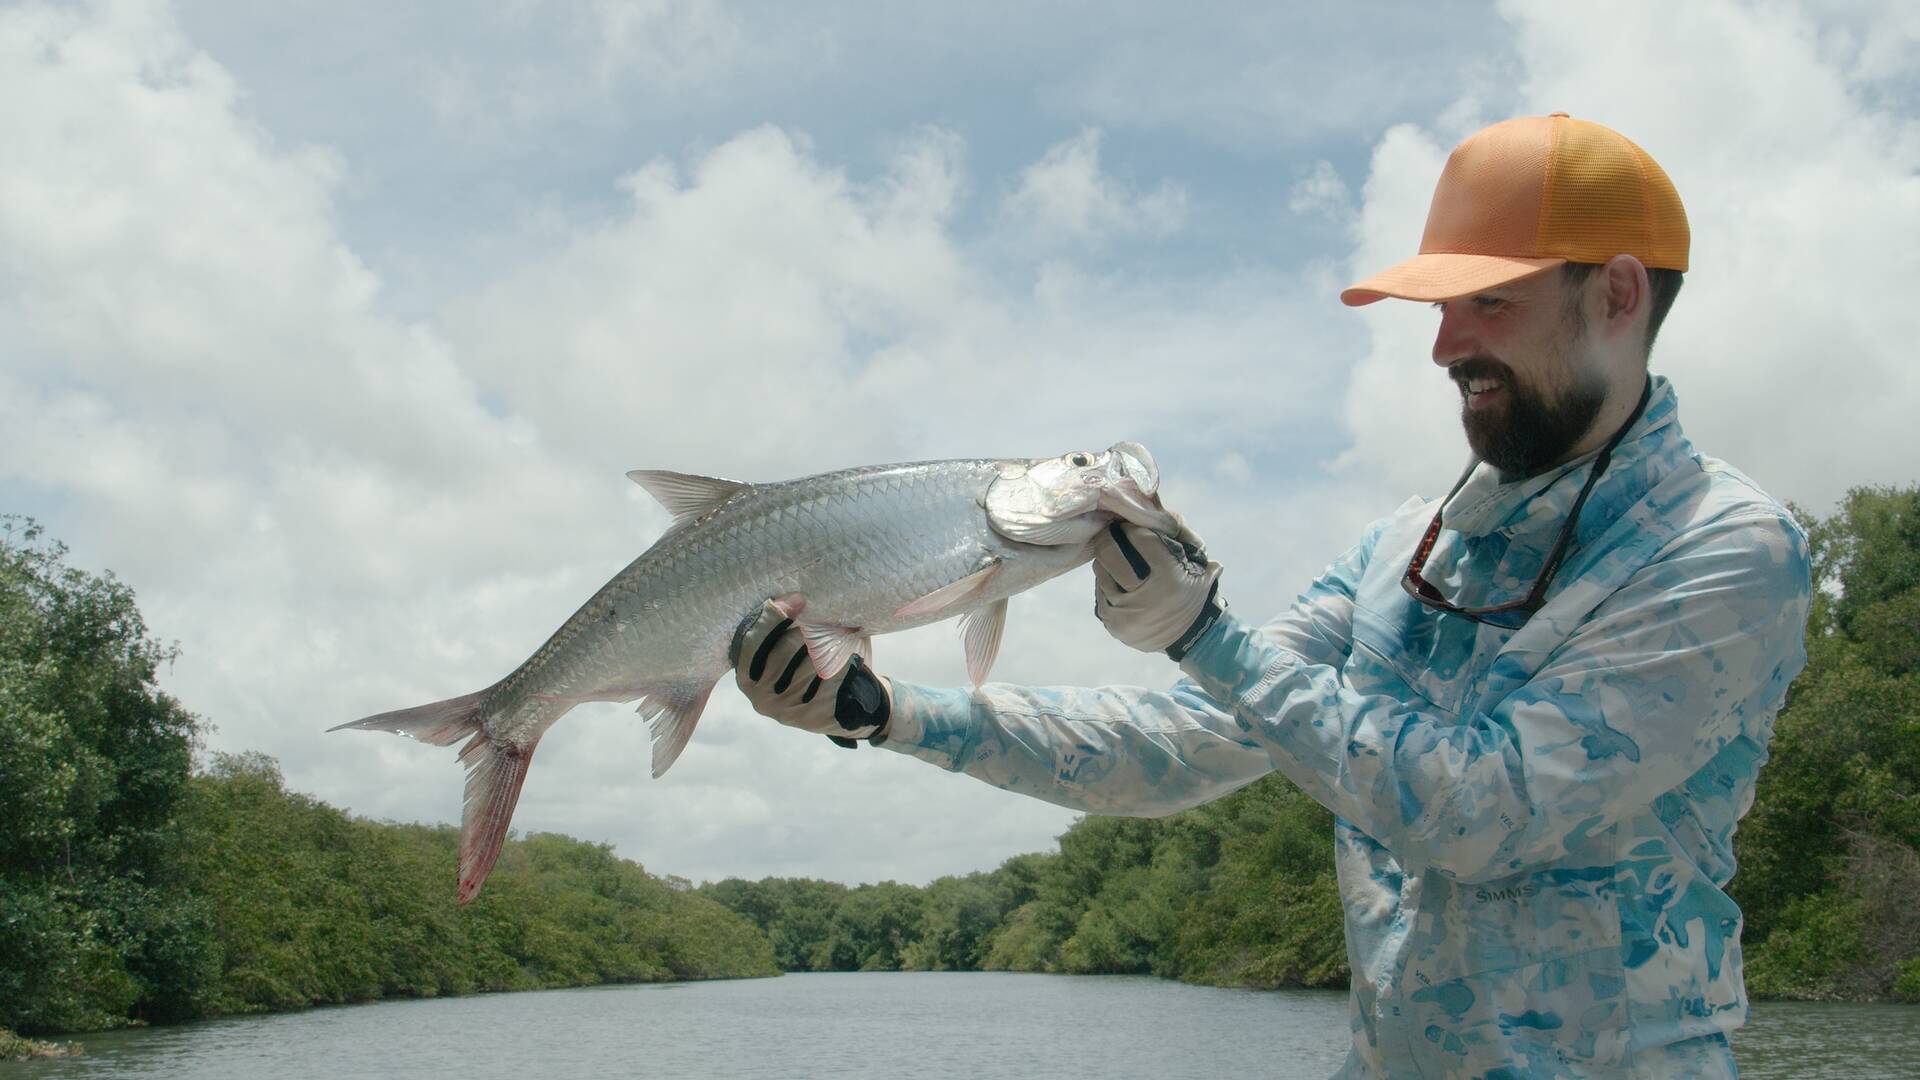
[(672, 712), (980, 629), (495, 772), (686, 495), (830, 647), (950, 598)]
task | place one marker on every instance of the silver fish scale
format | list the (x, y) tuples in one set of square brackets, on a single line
[(859, 544)]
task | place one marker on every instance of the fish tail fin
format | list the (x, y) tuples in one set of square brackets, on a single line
[(495, 772), (441, 723)]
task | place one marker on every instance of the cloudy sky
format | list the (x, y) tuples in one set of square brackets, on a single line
[(331, 328)]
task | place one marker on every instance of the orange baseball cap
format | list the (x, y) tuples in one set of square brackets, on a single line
[(1527, 195)]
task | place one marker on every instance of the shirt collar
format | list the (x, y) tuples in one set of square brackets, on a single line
[(1487, 503)]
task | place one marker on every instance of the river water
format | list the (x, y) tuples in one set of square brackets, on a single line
[(988, 1025)]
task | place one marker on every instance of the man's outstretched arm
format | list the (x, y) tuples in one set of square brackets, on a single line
[(1117, 750)]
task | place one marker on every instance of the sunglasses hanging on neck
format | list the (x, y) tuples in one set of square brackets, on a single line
[(1512, 615)]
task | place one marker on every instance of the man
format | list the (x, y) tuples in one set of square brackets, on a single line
[(1536, 710)]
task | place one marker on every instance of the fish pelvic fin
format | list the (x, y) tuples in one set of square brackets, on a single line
[(441, 723), (671, 712), (981, 629), (495, 772)]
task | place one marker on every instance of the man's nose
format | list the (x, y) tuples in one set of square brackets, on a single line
[(1453, 341)]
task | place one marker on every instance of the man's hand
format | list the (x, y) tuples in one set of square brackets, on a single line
[(1155, 594), (771, 666)]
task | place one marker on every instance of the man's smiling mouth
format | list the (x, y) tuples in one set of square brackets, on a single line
[(1479, 392)]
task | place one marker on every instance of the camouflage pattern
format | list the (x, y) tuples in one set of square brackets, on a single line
[(1534, 826)]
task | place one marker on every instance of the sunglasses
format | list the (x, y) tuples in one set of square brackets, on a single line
[(1515, 613)]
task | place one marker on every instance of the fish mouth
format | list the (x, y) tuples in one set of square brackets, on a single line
[(1132, 490)]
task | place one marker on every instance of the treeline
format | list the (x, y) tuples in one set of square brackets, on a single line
[(1829, 876), (132, 889), (1237, 892), (1241, 892)]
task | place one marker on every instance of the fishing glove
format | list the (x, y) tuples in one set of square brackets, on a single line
[(771, 666), (1155, 593)]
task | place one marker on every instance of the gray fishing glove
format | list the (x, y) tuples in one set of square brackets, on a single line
[(1154, 593), (770, 665)]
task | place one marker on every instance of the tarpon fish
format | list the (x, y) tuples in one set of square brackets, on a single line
[(870, 550)]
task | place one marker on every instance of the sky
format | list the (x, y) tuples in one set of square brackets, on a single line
[(332, 328)]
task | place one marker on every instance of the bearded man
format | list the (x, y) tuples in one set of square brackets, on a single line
[(1536, 710)]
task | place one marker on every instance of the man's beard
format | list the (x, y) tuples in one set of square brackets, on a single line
[(1527, 433)]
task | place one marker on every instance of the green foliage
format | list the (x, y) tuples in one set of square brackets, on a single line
[(99, 925), (132, 890), (1272, 916), (958, 914), (315, 907), (1828, 867), (1238, 892), (796, 914), (15, 1048), (1021, 944), (1906, 985)]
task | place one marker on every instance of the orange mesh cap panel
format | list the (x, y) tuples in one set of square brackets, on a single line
[(1527, 195), (1604, 197)]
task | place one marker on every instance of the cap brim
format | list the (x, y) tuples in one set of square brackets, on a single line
[(1444, 276)]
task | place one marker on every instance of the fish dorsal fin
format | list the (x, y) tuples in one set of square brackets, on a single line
[(686, 495), (950, 598), (980, 629)]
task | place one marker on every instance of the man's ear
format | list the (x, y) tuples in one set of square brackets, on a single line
[(1627, 294)]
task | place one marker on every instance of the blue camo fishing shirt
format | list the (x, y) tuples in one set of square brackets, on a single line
[(1534, 827)]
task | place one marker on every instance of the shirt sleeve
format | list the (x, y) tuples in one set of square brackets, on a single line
[(1694, 650), (1122, 750)]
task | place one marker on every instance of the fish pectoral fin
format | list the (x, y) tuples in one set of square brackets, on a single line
[(980, 630), (950, 598), (671, 712), (686, 495), (1043, 533), (830, 647)]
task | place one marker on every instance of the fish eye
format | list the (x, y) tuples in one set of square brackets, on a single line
[(1080, 459)]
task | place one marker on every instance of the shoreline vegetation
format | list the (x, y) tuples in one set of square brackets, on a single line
[(17, 1048), (140, 889)]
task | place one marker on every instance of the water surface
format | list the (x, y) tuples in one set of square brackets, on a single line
[(991, 1025)]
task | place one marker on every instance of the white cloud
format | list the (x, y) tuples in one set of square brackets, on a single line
[(199, 369), (663, 41), (674, 48), (1258, 75), (1321, 192), (1065, 194), (1789, 345)]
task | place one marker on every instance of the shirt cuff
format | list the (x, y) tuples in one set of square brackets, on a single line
[(1232, 657), (1212, 657), (934, 725)]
